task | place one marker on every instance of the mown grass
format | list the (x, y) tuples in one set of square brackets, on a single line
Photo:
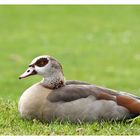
[(12, 124), (97, 44)]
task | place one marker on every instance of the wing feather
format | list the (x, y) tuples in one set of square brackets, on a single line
[(73, 92)]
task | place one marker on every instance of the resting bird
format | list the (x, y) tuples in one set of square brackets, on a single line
[(54, 98)]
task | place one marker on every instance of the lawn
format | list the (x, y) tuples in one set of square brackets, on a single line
[(97, 44)]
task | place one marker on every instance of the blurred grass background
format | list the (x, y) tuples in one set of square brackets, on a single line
[(97, 44)]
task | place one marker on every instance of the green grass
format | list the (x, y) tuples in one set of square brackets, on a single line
[(12, 124), (97, 44)]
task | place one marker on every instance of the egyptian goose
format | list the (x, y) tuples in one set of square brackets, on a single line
[(54, 98)]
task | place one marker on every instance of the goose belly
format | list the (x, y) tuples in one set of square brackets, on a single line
[(33, 102), (89, 109), (29, 106)]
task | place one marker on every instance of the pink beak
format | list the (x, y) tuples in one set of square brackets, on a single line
[(30, 71)]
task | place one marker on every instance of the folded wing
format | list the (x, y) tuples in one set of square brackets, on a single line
[(76, 89)]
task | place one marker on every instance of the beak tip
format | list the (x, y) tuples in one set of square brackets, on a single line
[(19, 78), (30, 71)]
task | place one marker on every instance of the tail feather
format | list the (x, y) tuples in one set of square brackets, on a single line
[(129, 94), (132, 104)]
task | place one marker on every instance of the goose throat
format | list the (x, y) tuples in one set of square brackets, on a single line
[(53, 82)]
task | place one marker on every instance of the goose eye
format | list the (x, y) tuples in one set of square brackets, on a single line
[(41, 62)]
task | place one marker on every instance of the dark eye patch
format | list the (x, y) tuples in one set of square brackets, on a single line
[(41, 62)]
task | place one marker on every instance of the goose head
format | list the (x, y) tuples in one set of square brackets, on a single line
[(47, 67)]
